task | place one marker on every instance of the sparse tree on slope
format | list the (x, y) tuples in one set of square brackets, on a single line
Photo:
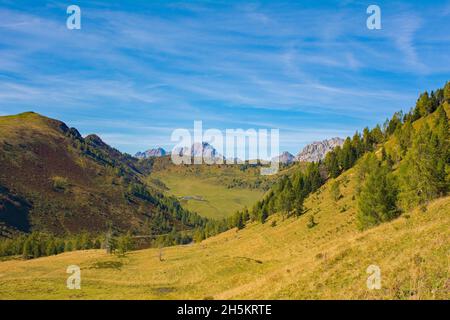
[(421, 172), (378, 198)]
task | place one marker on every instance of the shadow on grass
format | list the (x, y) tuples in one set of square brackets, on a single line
[(117, 265)]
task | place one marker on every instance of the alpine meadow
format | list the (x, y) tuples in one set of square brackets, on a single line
[(224, 151)]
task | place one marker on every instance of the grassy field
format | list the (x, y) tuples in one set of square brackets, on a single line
[(285, 261), (207, 189)]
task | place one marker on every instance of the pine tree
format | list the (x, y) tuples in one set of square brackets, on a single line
[(404, 136), (394, 123), (447, 92), (332, 164), (420, 174), (59, 246), (442, 129), (36, 249), (348, 156), (264, 215), (358, 146), (238, 220), (51, 247), (199, 235), (422, 106), (335, 190), (68, 246), (125, 242), (378, 198), (27, 249), (377, 134), (298, 206), (367, 140), (286, 198)]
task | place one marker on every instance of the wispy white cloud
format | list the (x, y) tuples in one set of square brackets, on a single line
[(166, 64)]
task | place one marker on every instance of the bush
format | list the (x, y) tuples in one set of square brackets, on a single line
[(311, 223), (60, 183), (124, 244)]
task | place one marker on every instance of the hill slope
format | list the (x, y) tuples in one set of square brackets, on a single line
[(54, 180), (286, 261), (213, 191)]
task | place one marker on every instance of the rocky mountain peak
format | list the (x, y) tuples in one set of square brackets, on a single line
[(286, 158), (155, 152), (317, 150)]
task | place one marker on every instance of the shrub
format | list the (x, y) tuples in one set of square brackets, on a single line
[(60, 183), (311, 223)]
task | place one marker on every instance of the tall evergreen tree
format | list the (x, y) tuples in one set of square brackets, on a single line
[(367, 140), (332, 164), (447, 92), (421, 178), (347, 156), (378, 198), (27, 249), (264, 215), (377, 134), (404, 135)]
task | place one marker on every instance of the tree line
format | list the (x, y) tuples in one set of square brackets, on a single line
[(412, 172), (40, 244)]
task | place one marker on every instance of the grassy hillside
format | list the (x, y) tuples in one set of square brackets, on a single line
[(207, 197), (213, 191), (285, 261), (54, 180)]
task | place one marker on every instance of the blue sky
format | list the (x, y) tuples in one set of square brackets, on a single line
[(137, 70)]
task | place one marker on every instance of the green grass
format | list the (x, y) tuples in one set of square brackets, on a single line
[(211, 196), (213, 191)]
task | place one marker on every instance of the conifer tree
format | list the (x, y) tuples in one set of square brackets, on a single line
[(404, 135), (378, 198), (125, 242), (367, 140), (27, 249), (332, 164), (421, 176), (447, 92), (335, 190), (264, 215)]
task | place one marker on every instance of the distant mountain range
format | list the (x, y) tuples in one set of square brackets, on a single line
[(197, 150), (313, 152), (204, 150)]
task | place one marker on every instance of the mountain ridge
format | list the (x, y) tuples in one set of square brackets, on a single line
[(76, 184), (317, 150)]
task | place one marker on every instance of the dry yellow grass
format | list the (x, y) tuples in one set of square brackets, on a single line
[(288, 261)]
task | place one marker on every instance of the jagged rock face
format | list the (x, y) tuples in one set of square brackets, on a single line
[(316, 151), (158, 152), (198, 150), (286, 158)]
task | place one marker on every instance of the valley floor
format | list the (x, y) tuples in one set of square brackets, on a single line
[(285, 261)]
